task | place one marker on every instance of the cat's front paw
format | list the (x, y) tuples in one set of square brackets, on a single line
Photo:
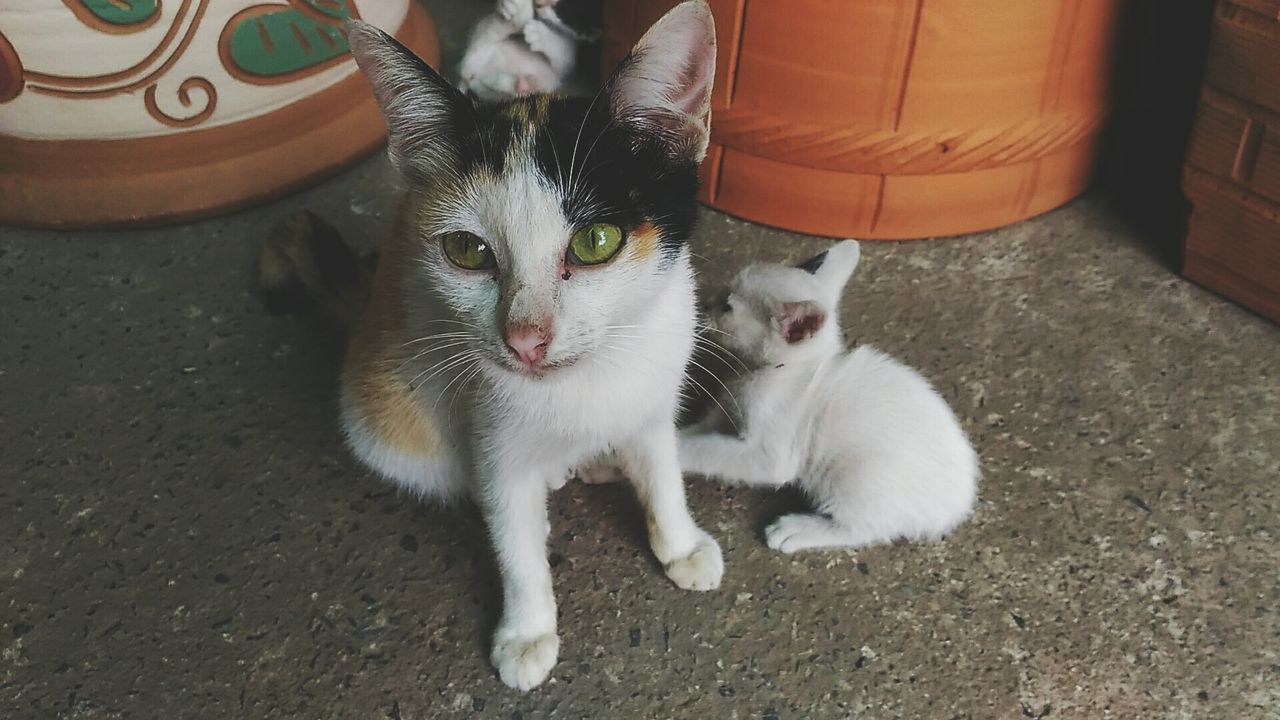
[(523, 662), (701, 569), (802, 531), (519, 12), (540, 37)]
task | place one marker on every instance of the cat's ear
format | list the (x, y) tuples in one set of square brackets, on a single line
[(797, 321), (664, 84), (834, 266), (420, 106)]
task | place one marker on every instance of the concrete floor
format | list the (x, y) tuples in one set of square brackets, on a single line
[(182, 534)]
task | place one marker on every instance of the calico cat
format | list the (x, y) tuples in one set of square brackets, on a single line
[(534, 305), (526, 47), (866, 438)]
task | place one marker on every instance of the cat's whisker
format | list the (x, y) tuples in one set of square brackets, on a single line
[(428, 351), (708, 328), (556, 154), (437, 336), (437, 344), (573, 158), (457, 342), (587, 173), (707, 343), (444, 364), (464, 369), (712, 395), (449, 321), (587, 157), (476, 370), (650, 372), (722, 353), (719, 382), (694, 381), (460, 359)]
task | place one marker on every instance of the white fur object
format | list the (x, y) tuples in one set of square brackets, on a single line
[(517, 50), (616, 365), (865, 437)]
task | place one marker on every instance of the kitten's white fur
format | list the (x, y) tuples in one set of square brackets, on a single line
[(517, 50), (623, 334), (877, 450)]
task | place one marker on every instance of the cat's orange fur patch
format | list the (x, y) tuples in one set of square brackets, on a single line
[(643, 241), (375, 356)]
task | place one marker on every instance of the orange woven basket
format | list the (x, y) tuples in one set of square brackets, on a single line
[(897, 119)]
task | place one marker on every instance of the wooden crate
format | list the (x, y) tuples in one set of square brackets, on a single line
[(1232, 172)]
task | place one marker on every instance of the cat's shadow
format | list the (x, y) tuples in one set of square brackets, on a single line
[(769, 505)]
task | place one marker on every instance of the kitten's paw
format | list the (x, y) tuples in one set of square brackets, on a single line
[(540, 37), (524, 662), (802, 531), (518, 12), (701, 569)]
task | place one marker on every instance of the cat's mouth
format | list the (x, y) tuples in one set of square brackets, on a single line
[(540, 370)]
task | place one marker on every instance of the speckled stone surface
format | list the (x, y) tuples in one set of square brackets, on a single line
[(182, 534)]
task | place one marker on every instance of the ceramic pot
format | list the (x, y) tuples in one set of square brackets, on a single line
[(147, 111)]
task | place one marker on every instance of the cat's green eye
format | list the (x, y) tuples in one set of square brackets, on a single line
[(595, 244), (468, 251)]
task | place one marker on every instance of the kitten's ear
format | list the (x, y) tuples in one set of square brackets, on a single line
[(799, 320), (419, 105), (664, 84), (834, 266)]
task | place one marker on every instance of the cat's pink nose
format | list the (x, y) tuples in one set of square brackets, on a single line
[(528, 343)]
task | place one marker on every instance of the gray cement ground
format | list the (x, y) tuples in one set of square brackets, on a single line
[(182, 534)]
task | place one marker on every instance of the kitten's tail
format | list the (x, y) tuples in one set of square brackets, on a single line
[(304, 264)]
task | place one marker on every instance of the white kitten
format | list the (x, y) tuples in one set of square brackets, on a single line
[(518, 50), (865, 437)]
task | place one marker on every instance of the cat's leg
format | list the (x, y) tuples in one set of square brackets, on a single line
[(514, 503), (689, 555), (734, 460), (806, 531)]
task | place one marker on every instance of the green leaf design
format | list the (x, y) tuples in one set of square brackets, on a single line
[(124, 12), (280, 43)]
